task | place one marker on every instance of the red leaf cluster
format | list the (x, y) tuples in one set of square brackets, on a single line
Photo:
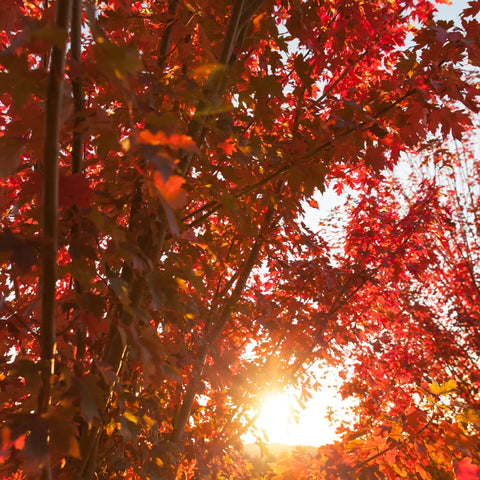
[(173, 278)]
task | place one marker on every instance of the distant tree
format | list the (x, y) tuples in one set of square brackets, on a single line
[(156, 157), (413, 344)]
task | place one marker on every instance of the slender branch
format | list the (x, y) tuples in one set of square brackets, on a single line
[(216, 81), (50, 206), (77, 88), (345, 296), (23, 324), (232, 32), (394, 445), (361, 127), (215, 206), (50, 216), (347, 70), (167, 36), (46, 56), (242, 280), (211, 336), (251, 7)]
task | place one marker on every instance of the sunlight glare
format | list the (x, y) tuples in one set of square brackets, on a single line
[(278, 421)]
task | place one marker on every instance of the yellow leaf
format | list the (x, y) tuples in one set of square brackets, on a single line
[(469, 416), (207, 68), (74, 448), (450, 385), (446, 387), (149, 422), (110, 428), (131, 417)]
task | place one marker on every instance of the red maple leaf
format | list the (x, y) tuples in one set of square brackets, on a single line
[(74, 190), (466, 470)]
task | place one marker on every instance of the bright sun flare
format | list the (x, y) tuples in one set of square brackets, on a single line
[(311, 427)]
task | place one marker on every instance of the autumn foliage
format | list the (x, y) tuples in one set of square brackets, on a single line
[(157, 159)]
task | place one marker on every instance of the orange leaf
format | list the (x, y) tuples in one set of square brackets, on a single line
[(171, 190), (174, 141), (228, 146)]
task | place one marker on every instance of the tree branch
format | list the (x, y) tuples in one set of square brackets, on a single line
[(50, 215), (77, 88), (215, 206), (50, 206), (217, 80), (211, 336), (166, 37)]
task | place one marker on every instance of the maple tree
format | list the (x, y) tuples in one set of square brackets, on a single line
[(412, 352), (156, 158)]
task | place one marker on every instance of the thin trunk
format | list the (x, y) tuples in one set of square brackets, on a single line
[(115, 349), (50, 207), (50, 215), (217, 80)]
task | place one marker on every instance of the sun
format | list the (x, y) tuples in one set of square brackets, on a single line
[(276, 416), (281, 420)]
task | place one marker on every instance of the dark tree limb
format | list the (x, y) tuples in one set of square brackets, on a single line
[(217, 81), (50, 216), (50, 206), (166, 37), (216, 330)]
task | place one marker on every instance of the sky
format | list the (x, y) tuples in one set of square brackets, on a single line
[(452, 11)]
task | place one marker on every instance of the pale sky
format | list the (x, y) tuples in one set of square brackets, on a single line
[(451, 12)]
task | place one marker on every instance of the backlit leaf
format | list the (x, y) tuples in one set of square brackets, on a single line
[(171, 190), (466, 470), (444, 387), (174, 141)]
